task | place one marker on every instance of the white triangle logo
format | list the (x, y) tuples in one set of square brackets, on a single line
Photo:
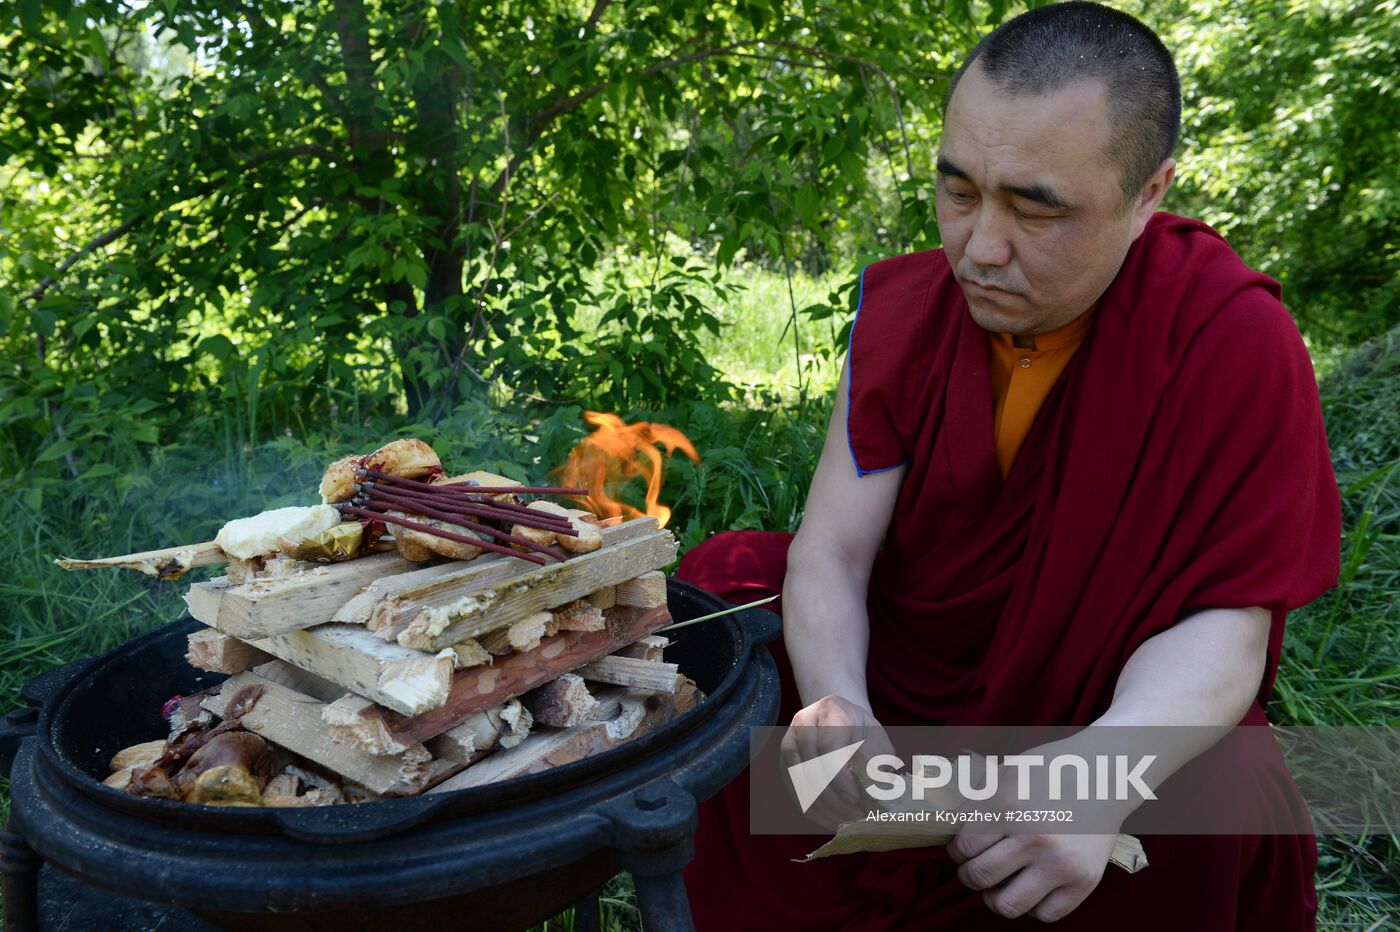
[(811, 777)]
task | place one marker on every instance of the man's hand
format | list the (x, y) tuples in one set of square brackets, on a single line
[(1043, 876), (829, 723)]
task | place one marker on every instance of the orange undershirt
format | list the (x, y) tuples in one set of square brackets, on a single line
[(1022, 378)]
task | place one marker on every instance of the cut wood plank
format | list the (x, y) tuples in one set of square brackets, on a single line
[(266, 607), (219, 653), (645, 591), (404, 680), (638, 712), (293, 721), (384, 619), (453, 614), (655, 675), (482, 687), (651, 647), (408, 681), (299, 680), (358, 609), (561, 703)]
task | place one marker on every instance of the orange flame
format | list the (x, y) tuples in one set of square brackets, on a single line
[(616, 453)]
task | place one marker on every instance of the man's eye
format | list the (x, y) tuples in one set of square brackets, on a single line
[(960, 197), (1027, 216)]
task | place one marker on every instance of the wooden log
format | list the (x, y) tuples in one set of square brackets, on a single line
[(637, 712), (604, 598), (470, 653), (482, 687), (561, 703), (651, 647), (645, 591), (443, 615), (655, 675), (579, 615), (501, 727), (266, 607), (293, 721), (219, 653), (404, 680), (378, 606), (688, 695)]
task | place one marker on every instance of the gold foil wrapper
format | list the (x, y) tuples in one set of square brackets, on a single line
[(342, 542)]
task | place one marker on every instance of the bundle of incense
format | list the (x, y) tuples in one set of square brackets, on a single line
[(462, 505)]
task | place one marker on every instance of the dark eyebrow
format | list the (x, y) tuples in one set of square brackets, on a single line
[(1039, 193)]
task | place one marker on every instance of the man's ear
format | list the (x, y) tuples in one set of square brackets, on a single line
[(1153, 190)]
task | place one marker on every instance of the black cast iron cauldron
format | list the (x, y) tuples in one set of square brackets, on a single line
[(498, 857)]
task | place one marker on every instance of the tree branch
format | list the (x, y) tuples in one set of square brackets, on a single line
[(92, 245)]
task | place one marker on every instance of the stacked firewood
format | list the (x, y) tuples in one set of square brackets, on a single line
[(383, 677)]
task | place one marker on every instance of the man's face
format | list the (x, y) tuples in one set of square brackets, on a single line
[(1031, 210)]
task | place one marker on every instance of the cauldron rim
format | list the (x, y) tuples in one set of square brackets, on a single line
[(388, 816)]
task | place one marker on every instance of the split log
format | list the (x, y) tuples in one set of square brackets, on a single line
[(166, 563), (266, 607), (443, 614), (482, 687), (219, 653), (579, 615), (637, 712), (293, 721), (501, 727), (604, 598), (377, 607), (407, 681), (645, 591), (657, 676), (651, 647), (470, 653), (561, 703), (688, 695), (523, 635)]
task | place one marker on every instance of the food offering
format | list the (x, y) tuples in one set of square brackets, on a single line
[(414, 632)]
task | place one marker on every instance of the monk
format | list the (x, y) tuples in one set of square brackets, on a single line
[(1075, 474)]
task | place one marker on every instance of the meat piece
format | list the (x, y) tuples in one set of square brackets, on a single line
[(152, 781), (231, 768)]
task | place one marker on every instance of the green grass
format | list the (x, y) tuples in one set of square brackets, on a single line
[(1341, 661)]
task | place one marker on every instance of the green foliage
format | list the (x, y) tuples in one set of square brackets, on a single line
[(287, 208), (1289, 148)]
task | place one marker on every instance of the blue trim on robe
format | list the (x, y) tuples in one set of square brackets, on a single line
[(851, 372)]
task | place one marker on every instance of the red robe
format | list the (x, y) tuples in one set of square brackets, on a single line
[(1180, 463)]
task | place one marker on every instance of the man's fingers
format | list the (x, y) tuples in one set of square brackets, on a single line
[(1058, 904), (967, 846), (1019, 895), (992, 866)]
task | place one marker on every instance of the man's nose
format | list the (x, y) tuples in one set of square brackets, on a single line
[(989, 244)]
